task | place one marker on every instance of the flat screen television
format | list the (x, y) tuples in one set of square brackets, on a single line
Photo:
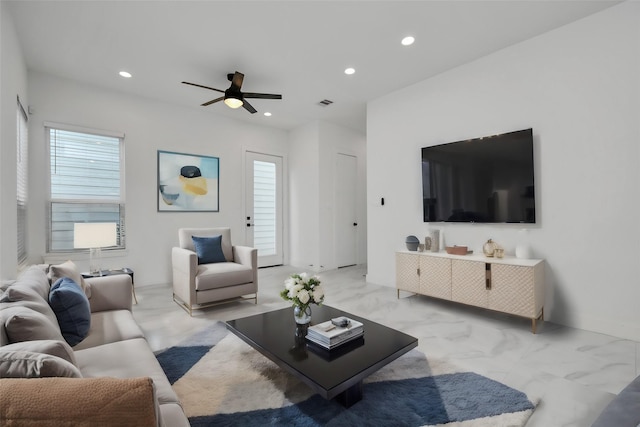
[(485, 180)]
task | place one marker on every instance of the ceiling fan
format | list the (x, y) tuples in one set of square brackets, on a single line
[(234, 97)]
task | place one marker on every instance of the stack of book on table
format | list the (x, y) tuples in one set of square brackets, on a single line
[(334, 333)]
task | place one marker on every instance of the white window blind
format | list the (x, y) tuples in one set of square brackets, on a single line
[(22, 170), (264, 207), (86, 183)]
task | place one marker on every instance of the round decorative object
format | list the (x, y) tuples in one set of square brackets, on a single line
[(412, 243), (489, 248), (302, 315)]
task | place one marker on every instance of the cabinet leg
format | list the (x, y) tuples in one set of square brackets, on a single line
[(398, 290), (534, 321)]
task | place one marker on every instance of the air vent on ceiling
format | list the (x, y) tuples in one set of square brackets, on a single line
[(325, 103)]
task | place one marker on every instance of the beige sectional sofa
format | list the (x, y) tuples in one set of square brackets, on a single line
[(109, 369)]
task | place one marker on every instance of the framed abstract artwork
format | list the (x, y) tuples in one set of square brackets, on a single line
[(188, 182)]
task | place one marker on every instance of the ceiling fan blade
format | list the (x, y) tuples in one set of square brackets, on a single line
[(261, 95), (212, 101), (236, 81), (249, 107), (204, 87)]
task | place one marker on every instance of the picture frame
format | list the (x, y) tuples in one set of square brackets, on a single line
[(188, 182)]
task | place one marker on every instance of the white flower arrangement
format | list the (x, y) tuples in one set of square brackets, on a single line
[(303, 290)]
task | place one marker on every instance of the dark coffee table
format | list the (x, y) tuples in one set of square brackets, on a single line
[(332, 374)]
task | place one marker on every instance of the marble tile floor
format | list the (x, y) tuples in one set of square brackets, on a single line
[(575, 373)]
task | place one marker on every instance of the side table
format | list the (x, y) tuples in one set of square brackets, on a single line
[(124, 270)]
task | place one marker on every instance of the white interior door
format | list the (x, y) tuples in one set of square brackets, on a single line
[(263, 194), (346, 238)]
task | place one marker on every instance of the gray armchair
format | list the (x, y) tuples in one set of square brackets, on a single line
[(201, 285)]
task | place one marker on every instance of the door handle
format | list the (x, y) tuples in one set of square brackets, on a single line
[(355, 224)]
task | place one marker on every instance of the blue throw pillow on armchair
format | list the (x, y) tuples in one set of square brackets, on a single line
[(71, 306), (208, 249)]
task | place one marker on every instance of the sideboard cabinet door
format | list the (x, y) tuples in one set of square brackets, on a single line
[(407, 278), (435, 277), (469, 283), (512, 290)]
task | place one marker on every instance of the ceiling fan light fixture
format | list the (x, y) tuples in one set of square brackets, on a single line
[(233, 102), (233, 99)]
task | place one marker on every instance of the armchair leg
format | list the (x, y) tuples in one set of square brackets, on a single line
[(189, 308), (183, 305)]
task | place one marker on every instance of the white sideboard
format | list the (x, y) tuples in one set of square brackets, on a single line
[(509, 285)]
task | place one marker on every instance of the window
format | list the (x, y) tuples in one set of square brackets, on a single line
[(22, 170), (86, 182)]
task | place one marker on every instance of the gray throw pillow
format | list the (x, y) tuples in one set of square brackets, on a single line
[(33, 278), (23, 296), (24, 324), (51, 347), (27, 364)]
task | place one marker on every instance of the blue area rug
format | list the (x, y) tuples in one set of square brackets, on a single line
[(221, 381)]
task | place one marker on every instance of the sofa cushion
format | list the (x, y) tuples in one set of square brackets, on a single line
[(223, 274), (24, 324), (72, 309), (126, 359), (51, 347), (208, 249), (28, 364), (23, 296), (110, 326), (173, 415), (66, 402), (69, 269), (35, 280)]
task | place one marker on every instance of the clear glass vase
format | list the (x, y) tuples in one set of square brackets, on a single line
[(302, 315)]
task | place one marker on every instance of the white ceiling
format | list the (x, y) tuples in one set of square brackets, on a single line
[(296, 48)]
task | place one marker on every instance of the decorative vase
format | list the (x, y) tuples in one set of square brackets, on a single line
[(522, 248), (523, 251), (489, 248), (302, 315), (435, 240)]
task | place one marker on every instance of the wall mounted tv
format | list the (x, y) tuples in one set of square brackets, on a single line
[(486, 180)]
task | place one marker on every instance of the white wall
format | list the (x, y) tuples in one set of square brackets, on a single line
[(304, 202), (312, 172), (579, 88), (336, 140), (149, 126), (13, 83)]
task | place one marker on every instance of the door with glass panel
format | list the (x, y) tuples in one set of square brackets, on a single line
[(263, 219)]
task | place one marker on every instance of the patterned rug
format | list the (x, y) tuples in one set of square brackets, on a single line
[(222, 381)]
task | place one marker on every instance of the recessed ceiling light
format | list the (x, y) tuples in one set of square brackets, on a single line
[(125, 74), (268, 114), (407, 41), (350, 71)]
